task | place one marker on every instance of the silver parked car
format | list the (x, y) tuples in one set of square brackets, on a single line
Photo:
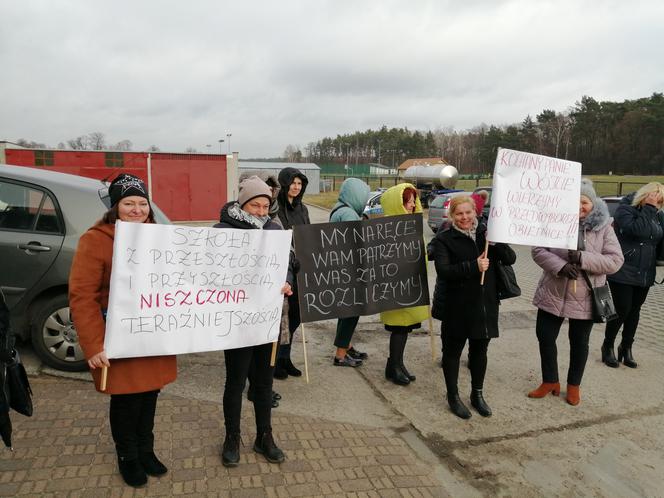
[(42, 215), (439, 209)]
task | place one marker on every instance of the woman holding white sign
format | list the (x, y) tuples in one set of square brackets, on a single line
[(133, 383), (562, 293), (467, 308), (250, 212), (399, 200)]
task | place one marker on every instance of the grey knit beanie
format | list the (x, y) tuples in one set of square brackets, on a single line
[(588, 190), (251, 188)]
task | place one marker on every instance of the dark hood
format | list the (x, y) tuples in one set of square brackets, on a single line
[(286, 177), (628, 199)]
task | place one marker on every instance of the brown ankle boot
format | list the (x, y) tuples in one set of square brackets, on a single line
[(573, 395), (544, 389)]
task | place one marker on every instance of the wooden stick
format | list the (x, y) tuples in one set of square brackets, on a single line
[(273, 357), (486, 251), (304, 349), (433, 347), (104, 377)]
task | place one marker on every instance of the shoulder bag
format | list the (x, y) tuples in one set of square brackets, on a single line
[(506, 284), (603, 308), (18, 386)]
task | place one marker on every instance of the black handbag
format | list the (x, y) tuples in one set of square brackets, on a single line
[(603, 308), (506, 284), (18, 387)]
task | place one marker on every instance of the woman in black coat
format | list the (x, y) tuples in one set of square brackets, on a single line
[(292, 211), (250, 212), (468, 310), (638, 226)]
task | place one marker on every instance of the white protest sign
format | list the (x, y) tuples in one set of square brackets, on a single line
[(535, 200), (179, 289)]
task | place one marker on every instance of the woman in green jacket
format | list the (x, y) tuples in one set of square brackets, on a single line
[(399, 200)]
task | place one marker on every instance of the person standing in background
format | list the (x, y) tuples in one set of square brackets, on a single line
[(292, 211), (637, 223), (353, 197), (400, 200)]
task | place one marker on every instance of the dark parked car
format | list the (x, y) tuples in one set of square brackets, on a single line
[(42, 215), (612, 202)]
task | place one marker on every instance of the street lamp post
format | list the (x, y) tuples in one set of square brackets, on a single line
[(228, 142), (221, 141)]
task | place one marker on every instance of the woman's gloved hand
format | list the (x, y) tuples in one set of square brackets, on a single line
[(569, 271), (574, 257)]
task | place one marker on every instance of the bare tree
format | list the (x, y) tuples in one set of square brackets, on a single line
[(96, 140), (153, 148), (30, 144), (292, 154), (190, 150), (78, 143), (122, 145)]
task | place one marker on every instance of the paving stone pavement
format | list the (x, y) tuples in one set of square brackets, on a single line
[(65, 449), (527, 449)]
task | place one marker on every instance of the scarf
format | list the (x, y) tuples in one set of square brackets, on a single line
[(472, 232), (237, 213)]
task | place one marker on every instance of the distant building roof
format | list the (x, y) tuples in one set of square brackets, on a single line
[(432, 161), (271, 165)]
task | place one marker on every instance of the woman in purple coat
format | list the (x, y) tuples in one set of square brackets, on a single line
[(558, 298)]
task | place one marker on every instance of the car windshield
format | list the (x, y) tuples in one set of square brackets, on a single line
[(438, 201)]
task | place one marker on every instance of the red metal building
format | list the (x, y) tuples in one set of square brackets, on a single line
[(185, 186)]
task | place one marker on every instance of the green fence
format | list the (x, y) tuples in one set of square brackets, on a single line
[(603, 187)]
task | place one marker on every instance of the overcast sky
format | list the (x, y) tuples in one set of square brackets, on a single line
[(181, 74)]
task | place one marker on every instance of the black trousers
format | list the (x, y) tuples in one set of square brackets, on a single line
[(628, 300), (345, 330), (237, 368), (132, 423), (547, 328), (477, 360)]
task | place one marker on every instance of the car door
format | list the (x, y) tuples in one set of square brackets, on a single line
[(31, 235)]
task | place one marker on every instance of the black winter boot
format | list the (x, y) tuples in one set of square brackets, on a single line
[(291, 369), (477, 400), (266, 446), (280, 371), (608, 356), (132, 472), (625, 355), (457, 406), (410, 376), (230, 453), (151, 464), (394, 373)]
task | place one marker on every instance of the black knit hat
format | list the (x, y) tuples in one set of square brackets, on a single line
[(126, 185)]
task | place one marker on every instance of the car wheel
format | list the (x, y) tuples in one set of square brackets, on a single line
[(54, 337)]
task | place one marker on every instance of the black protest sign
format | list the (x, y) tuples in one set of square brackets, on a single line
[(358, 268)]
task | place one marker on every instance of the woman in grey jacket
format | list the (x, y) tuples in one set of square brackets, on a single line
[(557, 297)]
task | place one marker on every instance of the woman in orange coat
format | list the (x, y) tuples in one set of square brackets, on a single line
[(133, 383)]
